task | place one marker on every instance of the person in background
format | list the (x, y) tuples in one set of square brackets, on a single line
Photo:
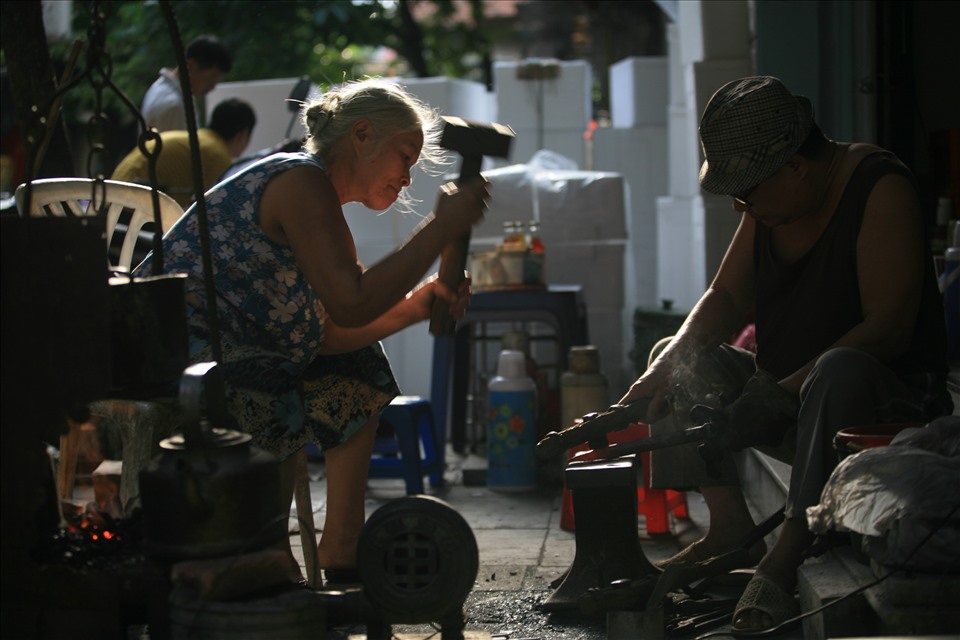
[(831, 257), (300, 317), (208, 61), (231, 125)]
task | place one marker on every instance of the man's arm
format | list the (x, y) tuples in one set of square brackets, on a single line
[(718, 313)]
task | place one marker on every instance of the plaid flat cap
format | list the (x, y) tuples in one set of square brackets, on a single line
[(748, 131)]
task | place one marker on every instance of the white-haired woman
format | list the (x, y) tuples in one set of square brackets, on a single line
[(300, 317)]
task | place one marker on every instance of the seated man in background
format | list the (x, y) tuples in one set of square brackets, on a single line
[(228, 135), (208, 61)]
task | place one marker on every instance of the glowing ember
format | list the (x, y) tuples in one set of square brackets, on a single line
[(92, 539)]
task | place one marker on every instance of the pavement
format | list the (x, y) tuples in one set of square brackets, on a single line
[(521, 548)]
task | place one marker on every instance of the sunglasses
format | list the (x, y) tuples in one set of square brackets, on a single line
[(743, 199)]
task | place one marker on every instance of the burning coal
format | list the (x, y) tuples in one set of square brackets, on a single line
[(91, 539)]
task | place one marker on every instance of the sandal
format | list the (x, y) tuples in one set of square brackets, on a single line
[(763, 594)]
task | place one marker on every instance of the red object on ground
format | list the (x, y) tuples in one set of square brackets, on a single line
[(654, 504)]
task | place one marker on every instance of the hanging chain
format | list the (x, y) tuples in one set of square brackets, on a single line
[(99, 71), (99, 68)]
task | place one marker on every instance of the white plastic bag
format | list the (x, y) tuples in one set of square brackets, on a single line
[(898, 496)]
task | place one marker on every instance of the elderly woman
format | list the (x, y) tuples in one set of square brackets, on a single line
[(300, 317)]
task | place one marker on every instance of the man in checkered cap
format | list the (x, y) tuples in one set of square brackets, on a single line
[(831, 262)]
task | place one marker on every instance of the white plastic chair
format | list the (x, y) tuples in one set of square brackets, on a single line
[(72, 197)]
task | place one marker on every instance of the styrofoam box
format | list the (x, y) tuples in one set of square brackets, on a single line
[(453, 97), (720, 223), (639, 91), (388, 227), (681, 275), (640, 153), (511, 198), (462, 98), (580, 206), (728, 35), (676, 68), (597, 267), (560, 103), (269, 101), (410, 357), (684, 158), (568, 143)]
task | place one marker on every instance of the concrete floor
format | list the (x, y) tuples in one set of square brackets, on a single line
[(521, 550)]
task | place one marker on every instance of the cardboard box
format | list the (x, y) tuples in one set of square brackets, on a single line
[(505, 269)]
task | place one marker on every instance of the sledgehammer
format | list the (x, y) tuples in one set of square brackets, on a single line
[(472, 140)]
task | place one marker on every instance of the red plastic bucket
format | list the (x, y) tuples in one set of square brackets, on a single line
[(856, 439)]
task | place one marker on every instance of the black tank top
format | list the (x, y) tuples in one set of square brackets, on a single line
[(804, 307)]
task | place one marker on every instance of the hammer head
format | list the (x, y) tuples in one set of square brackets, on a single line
[(473, 140)]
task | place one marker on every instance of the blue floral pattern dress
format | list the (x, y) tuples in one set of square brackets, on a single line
[(271, 324)]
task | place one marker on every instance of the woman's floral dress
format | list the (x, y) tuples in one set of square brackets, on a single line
[(271, 324)]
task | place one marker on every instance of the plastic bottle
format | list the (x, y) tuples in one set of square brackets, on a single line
[(520, 341), (583, 387), (512, 426), (514, 237), (535, 243)]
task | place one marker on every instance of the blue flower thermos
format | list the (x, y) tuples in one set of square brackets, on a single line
[(512, 425)]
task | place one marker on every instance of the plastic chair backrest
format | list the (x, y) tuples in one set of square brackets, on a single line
[(72, 197)]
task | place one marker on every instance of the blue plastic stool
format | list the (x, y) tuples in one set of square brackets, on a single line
[(411, 419)]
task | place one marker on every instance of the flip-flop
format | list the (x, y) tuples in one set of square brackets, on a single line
[(763, 594)]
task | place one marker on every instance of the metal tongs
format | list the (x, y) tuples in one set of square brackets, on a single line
[(593, 428)]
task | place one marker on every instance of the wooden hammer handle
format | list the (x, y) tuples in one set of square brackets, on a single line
[(453, 262)]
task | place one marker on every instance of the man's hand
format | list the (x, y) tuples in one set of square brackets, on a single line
[(761, 415)]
